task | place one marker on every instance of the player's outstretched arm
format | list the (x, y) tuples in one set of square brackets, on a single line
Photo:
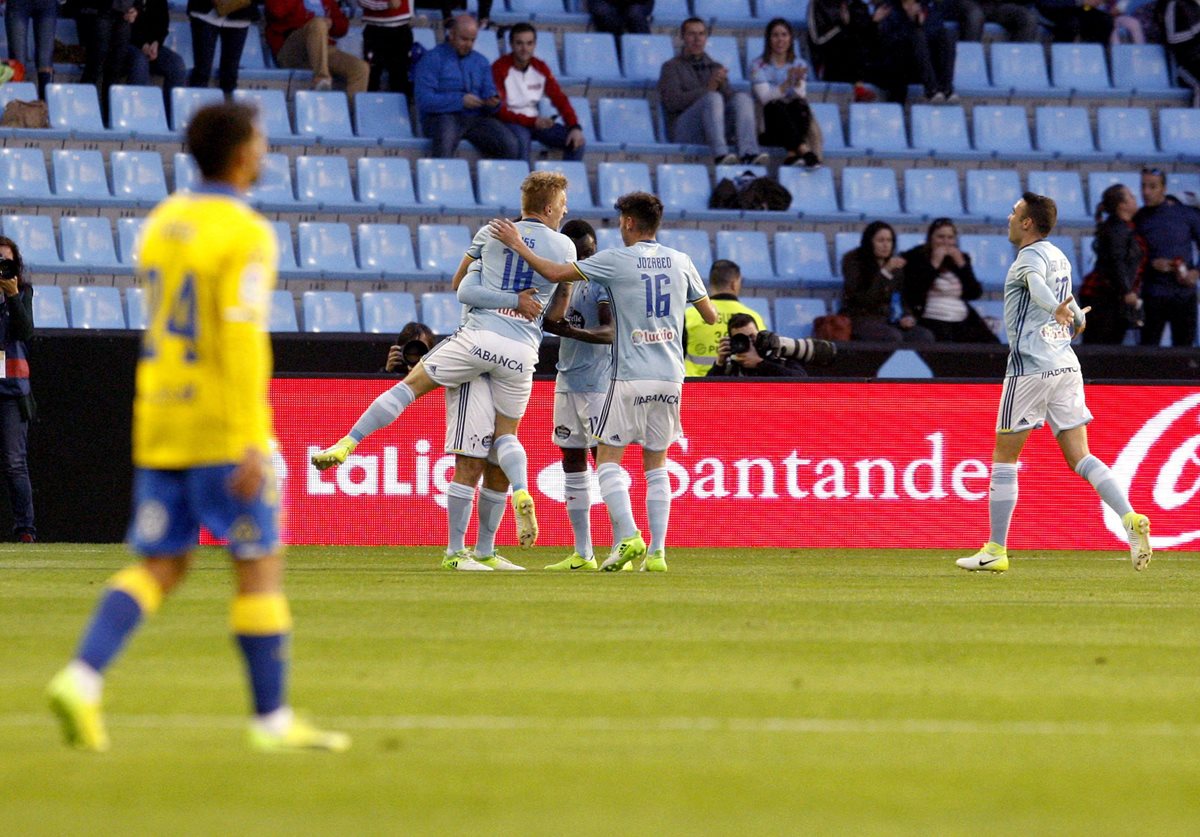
[(506, 232), (1069, 313), (708, 311)]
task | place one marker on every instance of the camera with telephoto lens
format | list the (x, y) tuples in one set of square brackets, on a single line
[(413, 351), (739, 343), (8, 269), (808, 351)]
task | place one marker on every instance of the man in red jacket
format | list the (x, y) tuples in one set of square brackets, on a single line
[(302, 39), (522, 81)]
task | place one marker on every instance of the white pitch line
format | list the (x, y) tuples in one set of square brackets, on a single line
[(794, 726)]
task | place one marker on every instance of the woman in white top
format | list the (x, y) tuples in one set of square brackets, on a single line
[(780, 81), (939, 284)]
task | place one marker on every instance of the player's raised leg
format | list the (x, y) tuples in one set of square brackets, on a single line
[(383, 411)]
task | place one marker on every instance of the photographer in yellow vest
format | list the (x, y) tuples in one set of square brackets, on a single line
[(700, 338)]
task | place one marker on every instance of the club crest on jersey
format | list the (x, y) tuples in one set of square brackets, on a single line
[(562, 432)]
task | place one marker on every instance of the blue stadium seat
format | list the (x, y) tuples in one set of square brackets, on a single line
[(724, 49), (283, 312), (327, 247), (23, 176), (1067, 245), (487, 45), (843, 243), (442, 312), (685, 187), (324, 116), (1066, 190), (830, 119), (138, 111), (80, 177), (1098, 181), (907, 240), (187, 175), (616, 179), (76, 108), (1004, 131), (536, 6), (49, 310), (878, 129), (138, 177), (802, 258), (382, 116), (499, 183), (1179, 132), (187, 100), (932, 193), (991, 256), (441, 247), (942, 130), (129, 232), (1021, 68), (1127, 133), (87, 244), (591, 55), (904, 363), (424, 36), (992, 311), (272, 112), (25, 91), (1066, 132), (1142, 69), (642, 56), (253, 57), (991, 193), (445, 183), (179, 40), (330, 311), (136, 313), (1079, 68), (871, 191), (386, 182), (286, 262), (733, 171), (1181, 184), (34, 235), (583, 115), (387, 312), (970, 71), (759, 305), (579, 193), (813, 194), (626, 121), (274, 187), (752, 252), (728, 12), (324, 181), (387, 249), (693, 242), (610, 237), (794, 315), (671, 12), (96, 306)]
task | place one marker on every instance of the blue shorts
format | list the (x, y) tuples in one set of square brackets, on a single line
[(169, 507)]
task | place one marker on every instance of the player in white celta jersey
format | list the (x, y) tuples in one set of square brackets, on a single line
[(650, 287), (1043, 383)]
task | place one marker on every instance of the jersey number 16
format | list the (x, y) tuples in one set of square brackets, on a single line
[(658, 298)]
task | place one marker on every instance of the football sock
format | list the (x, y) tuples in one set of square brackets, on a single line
[(262, 623), (510, 456), (1106, 485), (658, 507), (491, 512), (132, 593), (616, 497), (383, 411), (577, 488), (1002, 499), (459, 500)]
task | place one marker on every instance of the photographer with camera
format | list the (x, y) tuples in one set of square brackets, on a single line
[(414, 340), (699, 338), (16, 400), (748, 351)]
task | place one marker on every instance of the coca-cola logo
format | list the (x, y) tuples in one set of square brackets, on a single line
[(1170, 497)]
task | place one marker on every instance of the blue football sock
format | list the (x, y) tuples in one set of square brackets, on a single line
[(491, 512), (459, 502), (616, 497), (262, 624), (1002, 500), (658, 506), (132, 593), (510, 456), (1106, 485), (578, 492)]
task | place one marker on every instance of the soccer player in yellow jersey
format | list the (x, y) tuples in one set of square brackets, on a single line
[(201, 436)]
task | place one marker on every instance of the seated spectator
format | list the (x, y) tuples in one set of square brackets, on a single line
[(698, 101), (916, 47), (146, 54), (780, 82), (841, 39), (43, 14), (301, 39), (387, 43), (1181, 30), (104, 29), (457, 99), (742, 360), (1170, 230), (231, 30), (1073, 22), (522, 80), (1018, 17), (414, 340), (873, 281), (621, 16), (939, 285), (1111, 288)]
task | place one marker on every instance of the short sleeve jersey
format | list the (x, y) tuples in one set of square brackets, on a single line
[(651, 287), (584, 367), (1037, 342)]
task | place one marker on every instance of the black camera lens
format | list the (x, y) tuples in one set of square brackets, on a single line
[(739, 343), (8, 268), (413, 351)]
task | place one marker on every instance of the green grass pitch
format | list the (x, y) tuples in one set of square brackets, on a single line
[(748, 692)]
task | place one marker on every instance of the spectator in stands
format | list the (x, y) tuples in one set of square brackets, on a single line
[(522, 80), (301, 39), (701, 339), (779, 78), (18, 14), (1126, 27), (621, 16), (104, 31), (209, 27), (842, 38), (146, 53), (457, 98), (1073, 21), (1018, 17), (387, 43), (1181, 28), (16, 400), (916, 47), (698, 101), (1170, 229), (939, 285), (403, 356), (743, 360), (873, 281), (1111, 288)]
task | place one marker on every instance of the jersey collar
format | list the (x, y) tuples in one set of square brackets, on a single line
[(212, 187)]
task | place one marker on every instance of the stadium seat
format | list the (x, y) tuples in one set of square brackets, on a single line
[(992, 311), (830, 119), (1066, 131), (1179, 132), (325, 117), (1079, 68), (80, 177), (579, 193), (970, 71), (942, 130), (1098, 181), (76, 108), (794, 315), (445, 183), (1142, 69), (583, 114), (642, 56), (609, 237), (187, 100), (25, 91), (87, 244), (907, 240), (324, 181), (693, 242), (932, 193), (499, 183), (991, 256), (49, 311), (991, 193), (1087, 257), (23, 176), (1066, 190), (387, 249), (684, 187), (871, 191), (671, 12), (330, 311), (536, 6), (386, 183), (272, 111), (1003, 130), (802, 258), (1021, 68), (136, 314), (34, 235), (286, 261), (326, 246), (138, 111), (843, 243), (1067, 245), (382, 116), (138, 177), (904, 363), (591, 55), (187, 175), (616, 179), (486, 44), (96, 306), (129, 232), (724, 48), (274, 187), (387, 312), (752, 252), (732, 171), (1127, 133), (442, 312), (441, 247), (626, 121), (283, 312), (813, 194), (878, 129), (1183, 185), (759, 305)]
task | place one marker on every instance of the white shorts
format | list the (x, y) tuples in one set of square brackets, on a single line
[(470, 353), (470, 419), (576, 417), (1029, 401), (642, 413)]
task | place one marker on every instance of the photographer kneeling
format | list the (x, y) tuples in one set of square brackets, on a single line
[(748, 352)]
